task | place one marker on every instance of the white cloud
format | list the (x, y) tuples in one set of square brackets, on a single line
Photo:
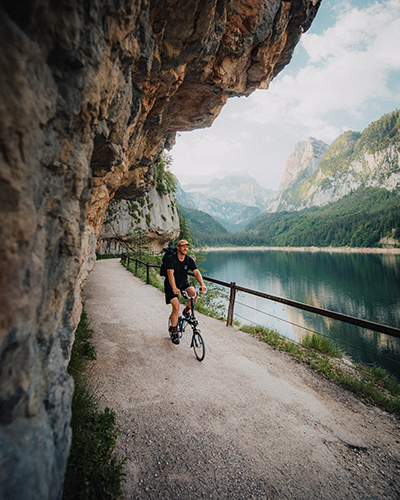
[(349, 64)]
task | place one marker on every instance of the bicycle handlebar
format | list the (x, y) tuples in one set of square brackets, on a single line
[(186, 296)]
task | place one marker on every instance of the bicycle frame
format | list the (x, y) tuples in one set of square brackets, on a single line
[(192, 321), (197, 342)]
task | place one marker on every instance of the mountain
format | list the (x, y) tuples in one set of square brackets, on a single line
[(338, 195), (353, 160), (233, 200), (369, 217), (303, 162)]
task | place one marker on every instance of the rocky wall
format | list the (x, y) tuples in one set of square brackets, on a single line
[(91, 92), (154, 214)]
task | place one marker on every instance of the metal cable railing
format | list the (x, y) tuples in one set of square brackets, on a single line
[(312, 331), (234, 288), (339, 360)]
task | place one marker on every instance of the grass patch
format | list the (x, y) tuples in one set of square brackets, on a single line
[(103, 256), (322, 344), (92, 472), (374, 385), (141, 272)]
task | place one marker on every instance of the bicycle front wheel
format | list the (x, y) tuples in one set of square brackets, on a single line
[(198, 345)]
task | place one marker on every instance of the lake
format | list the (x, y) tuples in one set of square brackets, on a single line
[(366, 286)]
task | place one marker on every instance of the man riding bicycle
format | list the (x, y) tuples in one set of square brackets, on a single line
[(177, 266)]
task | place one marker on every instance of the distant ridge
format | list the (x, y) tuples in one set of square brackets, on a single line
[(233, 200)]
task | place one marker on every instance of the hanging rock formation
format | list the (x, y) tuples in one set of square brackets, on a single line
[(90, 95)]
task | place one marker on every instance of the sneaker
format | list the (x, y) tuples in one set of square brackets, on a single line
[(186, 313), (173, 331), (175, 338)]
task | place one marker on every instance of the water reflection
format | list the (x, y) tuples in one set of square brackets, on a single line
[(360, 285)]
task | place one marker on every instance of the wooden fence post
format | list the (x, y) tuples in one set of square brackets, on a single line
[(135, 267), (147, 273), (229, 319)]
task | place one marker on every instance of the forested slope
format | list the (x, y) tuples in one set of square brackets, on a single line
[(360, 219), (204, 229)]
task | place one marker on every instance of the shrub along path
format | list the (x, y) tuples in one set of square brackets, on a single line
[(247, 422)]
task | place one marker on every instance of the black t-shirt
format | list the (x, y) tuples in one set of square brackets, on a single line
[(180, 268)]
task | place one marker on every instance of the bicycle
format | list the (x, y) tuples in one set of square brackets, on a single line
[(197, 340)]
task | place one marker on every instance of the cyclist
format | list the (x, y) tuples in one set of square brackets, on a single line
[(177, 266)]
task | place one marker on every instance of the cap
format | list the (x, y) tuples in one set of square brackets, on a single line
[(182, 242)]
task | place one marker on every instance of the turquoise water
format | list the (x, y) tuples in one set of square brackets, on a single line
[(366, 286)]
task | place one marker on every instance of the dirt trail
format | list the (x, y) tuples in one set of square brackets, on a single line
[(247, 422)]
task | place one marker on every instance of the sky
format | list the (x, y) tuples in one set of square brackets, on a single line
[(344, 74)]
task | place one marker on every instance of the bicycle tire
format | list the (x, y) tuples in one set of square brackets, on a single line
[(198, 345)]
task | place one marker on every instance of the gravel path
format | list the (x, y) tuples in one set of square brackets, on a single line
[(247, 422)]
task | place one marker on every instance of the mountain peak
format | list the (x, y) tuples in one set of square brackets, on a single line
[(303, 161)]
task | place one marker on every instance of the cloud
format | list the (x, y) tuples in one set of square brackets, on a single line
[(348, 65)]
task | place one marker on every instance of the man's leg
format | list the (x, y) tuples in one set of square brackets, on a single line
[(173, 329), (191, 292), (175, 311)]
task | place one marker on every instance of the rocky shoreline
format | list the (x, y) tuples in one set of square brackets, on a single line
[(306, 249)]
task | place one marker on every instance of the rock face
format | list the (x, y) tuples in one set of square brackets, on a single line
[(380, 169), (156, 215), (90, 95), (302, 163)]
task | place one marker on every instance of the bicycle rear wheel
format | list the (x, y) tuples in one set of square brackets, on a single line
[(198, 345)]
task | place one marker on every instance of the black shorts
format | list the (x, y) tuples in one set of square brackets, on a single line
[(169, 294)]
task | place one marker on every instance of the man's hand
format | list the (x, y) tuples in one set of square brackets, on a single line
[(203, 288), (176, 291)]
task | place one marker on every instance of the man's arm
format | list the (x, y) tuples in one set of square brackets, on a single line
[(199, 278), (171, 279)]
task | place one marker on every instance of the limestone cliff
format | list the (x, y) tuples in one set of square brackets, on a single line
[(154, 214), (380, 169), (90, 95), (302, 163)]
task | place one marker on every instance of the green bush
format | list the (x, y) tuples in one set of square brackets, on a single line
[(164, 180)]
